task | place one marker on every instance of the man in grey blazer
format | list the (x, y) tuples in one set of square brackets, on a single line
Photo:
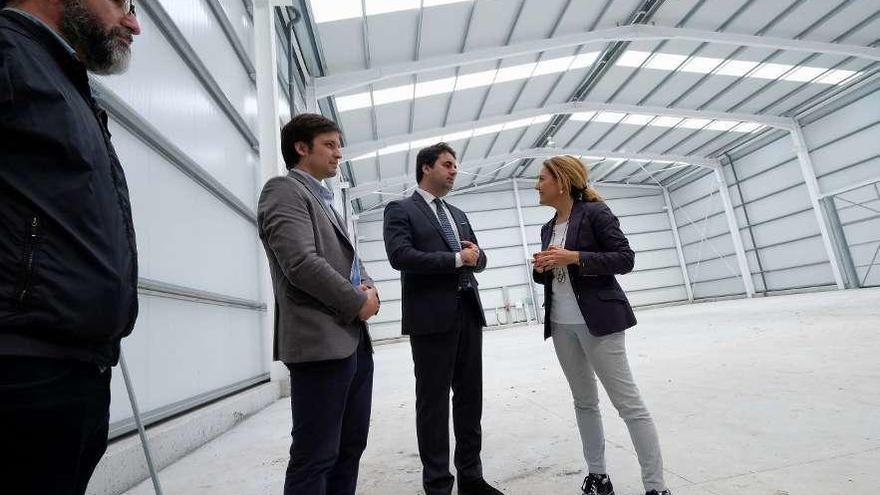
[(323, 298)]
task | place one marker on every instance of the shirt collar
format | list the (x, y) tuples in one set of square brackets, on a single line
[(429, 198), (36, 20), (325, 193)]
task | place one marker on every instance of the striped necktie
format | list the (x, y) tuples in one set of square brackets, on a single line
[(446, 226)]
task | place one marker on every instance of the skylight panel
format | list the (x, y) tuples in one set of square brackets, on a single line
[(435, 87), (666, 121), (489, 129), (584, 60), (435, 3), (582, 116), (638, 119), (514, 72), (353, 102), (665, 61), (324, 11), (610, 117), (836, 76), (457, 136), (633, 58), (392, 95), (694, 123), (771, 71), (721, 125), (553, 65), (737, 68), (804, 74), (376, 7), (475, 80), (365, 156), (394, 148), (514, 124), (701, 65), (421, 143), (748, 127)]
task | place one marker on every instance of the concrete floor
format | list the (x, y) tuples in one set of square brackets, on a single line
[(771, 396)]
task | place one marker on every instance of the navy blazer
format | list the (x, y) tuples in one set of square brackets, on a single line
[(415, 245), (594, 231)]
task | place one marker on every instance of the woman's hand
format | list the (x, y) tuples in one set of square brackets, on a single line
[(555, 256)]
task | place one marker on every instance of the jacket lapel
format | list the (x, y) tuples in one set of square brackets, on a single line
[(574, 225), (331, 214), (423, 205)]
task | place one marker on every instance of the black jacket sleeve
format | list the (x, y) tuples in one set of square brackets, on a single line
[(614, 255)]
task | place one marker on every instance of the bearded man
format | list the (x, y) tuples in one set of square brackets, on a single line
[(68, 260)]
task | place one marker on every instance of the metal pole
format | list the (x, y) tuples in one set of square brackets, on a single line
[(741, 259), (852, 277), (140, 426), (270, 155), (526, 254), (809, 174), (674, 226)]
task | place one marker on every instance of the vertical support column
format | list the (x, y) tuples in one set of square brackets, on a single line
[(741, 259), (809, 173), (311, 97), (674, 226), (526, 254), (270, 158), (839, 236)]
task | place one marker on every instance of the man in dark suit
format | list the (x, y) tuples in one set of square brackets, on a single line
[(323, 297), (432, 244)]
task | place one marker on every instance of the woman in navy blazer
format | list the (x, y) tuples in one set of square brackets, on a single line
[(586, 312)]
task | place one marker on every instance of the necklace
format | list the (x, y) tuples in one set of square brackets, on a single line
[(560, 271)]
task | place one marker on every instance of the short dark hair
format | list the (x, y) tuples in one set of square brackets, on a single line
[(302, 129), (427, 156)]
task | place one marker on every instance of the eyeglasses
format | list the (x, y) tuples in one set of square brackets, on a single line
[(127, 7)]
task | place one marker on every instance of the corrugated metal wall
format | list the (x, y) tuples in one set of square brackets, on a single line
[(183, 122), (777, 222)]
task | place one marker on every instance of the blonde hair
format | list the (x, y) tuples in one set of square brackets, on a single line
[(571, 174)]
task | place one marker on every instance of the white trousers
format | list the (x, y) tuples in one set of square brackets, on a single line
[(583, 357)]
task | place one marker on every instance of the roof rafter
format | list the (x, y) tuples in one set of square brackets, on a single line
[(337, 83), (361, 148), (369, 188)]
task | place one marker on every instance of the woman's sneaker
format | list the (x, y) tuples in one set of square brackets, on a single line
[(597, 484), (655, 492)]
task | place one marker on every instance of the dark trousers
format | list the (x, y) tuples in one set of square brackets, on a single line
[(331, 403), (54, 417), (442, 361)]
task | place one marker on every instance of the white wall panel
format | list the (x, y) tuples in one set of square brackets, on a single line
[(180, 349), (160, 88), (183, 348), (185, 235), (202, 31)]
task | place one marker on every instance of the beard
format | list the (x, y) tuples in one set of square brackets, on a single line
[(103, 51)]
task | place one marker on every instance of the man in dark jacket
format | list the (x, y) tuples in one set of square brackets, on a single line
[(68, 260), (432, 244)]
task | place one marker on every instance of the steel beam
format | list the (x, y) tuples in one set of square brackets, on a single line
[(809, 174), (337, 83), (361, 148), (673, 225), (526, 255), (741, 259), (270, 155), (370, 187)]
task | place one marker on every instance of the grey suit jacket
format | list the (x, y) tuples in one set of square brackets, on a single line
[(310, 258)]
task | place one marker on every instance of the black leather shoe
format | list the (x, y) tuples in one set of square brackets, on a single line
[(479, 487), (597, 484)]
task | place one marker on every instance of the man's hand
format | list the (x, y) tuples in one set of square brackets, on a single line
[(553, 257), (371, 304), (470, 253)]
